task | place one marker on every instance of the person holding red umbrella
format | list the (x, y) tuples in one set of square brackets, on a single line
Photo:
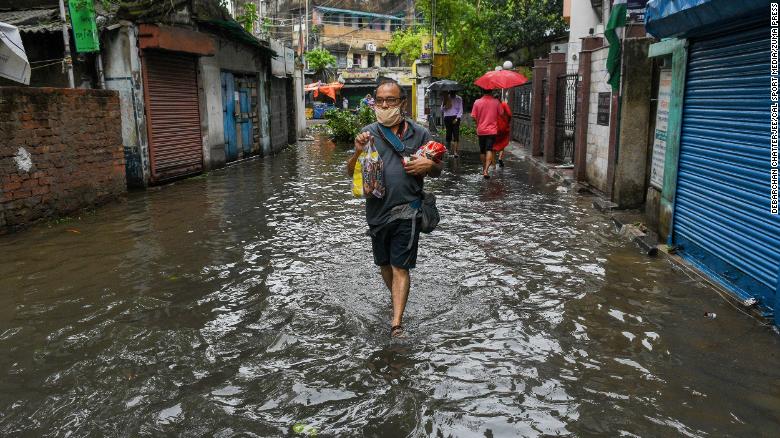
[(502, 138), (497, 79), (486, 111)]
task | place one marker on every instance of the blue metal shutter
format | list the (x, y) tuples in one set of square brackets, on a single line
[(722, 220)]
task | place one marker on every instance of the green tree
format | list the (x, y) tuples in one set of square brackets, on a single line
[(467, 39), (249, 17), (320, 60), (479, 33), (518, 24), (407, 43)]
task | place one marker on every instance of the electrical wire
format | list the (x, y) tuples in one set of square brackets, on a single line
[(47, 60), (46, 65)]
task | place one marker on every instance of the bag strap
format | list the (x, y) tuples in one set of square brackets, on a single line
[(389, 135), (398, 147)]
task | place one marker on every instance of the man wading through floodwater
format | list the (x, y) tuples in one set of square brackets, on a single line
[(394, 239)]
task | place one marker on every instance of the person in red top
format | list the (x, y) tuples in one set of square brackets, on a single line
[(504, 128), (486, 111)]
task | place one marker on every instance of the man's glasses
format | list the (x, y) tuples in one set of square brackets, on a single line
[(390, 101)]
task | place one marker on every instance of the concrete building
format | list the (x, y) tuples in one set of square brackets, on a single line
[(41, 31), (584, 18), (714, 167), (194, 94), (358, 39), (354, 31)]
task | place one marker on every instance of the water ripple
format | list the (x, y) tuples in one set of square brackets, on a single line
[(246, 302)]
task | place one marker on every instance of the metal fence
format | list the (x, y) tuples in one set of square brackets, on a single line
[(521, 114), (565, 117), (543, 118)]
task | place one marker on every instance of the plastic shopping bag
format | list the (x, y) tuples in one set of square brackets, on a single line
[(368, 178)]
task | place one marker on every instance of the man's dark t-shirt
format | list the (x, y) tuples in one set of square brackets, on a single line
[(400, 188)]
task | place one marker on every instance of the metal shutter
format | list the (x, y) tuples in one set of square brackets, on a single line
[(173, 114), (722, 221)]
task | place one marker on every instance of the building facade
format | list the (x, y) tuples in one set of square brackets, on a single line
[(358, 39), (196, 90), (714, 166)]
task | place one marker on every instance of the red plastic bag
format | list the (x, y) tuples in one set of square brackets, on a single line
[(432, 150)]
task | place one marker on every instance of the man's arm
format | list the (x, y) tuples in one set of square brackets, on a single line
[(422, 166), (360, 142)]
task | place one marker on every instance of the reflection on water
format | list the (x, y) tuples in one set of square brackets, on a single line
[(245, 302)]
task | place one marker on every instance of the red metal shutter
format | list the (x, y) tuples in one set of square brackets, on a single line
[(173, 114)]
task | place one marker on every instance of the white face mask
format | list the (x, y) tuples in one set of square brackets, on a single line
[(388, 116)]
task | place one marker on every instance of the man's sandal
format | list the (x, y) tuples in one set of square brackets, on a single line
[(397, 331)]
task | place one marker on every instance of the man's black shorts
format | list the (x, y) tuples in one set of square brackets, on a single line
[(486, 143), (390, 243)]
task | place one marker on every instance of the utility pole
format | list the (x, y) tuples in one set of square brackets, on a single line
[(433, 32), (307, 25), (66, 39), (300, 34)]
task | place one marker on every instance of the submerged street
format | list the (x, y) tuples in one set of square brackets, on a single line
[(246, 302)]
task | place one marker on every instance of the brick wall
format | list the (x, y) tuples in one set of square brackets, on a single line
[(597, 158), (60, 151)]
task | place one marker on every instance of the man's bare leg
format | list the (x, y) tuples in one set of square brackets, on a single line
[(488, 162), (387, 276), (399, 293)]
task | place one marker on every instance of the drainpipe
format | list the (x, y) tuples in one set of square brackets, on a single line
[(66, 41), (99, 67)]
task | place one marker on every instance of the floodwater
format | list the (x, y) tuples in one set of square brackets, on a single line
[(245, 303)]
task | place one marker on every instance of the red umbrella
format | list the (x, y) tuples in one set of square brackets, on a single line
[(500, 79)]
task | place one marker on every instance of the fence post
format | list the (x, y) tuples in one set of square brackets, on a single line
[(583, 107), (555, 68), (537, 106)]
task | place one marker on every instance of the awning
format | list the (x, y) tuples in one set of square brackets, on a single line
[(34, 20), (371, 85), (675, 18), (329, 90), (13, 59), (175, 39), (233, 31), (357, 13)]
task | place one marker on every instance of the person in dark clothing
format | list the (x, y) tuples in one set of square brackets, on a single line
[(452, 109), (391, 236)]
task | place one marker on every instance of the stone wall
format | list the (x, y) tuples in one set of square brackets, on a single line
[(597, 160), (61, 151)]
